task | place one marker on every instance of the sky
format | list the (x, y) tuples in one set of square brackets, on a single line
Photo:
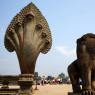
[(68, 20)]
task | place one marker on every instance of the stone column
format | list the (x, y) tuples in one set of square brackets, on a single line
[(25, 81)]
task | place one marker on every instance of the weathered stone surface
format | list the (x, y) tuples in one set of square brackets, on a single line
[(28, 34), (84, 66), (6, 80), (25, 82), (8, 91), (71, 93)]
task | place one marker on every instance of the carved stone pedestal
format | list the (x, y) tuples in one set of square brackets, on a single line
[(71, 93), (25, 82)]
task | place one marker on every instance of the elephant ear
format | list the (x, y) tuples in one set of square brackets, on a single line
[(15, 32)]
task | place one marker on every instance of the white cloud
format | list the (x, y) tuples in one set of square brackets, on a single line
[(65, 51)]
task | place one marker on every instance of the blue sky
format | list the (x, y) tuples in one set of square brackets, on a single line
[(68, 20)]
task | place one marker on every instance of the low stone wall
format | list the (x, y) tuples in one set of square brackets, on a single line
[(23, 81)]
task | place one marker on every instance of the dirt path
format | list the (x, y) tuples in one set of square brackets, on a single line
[(53, 90)]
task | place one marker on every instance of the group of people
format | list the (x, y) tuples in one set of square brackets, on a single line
[(53, 81)]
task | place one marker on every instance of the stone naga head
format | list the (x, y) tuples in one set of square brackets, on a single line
[(28, 34)]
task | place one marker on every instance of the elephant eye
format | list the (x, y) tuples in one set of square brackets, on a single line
[(39, 27)]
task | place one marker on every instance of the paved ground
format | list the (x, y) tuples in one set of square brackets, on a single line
[(53, 90)]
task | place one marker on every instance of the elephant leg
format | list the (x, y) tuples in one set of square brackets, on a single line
[(74, 77)]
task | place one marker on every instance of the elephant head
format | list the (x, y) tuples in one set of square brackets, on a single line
[(28, 34)]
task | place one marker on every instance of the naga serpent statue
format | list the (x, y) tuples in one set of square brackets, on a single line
[(28, 34), (84, 66)]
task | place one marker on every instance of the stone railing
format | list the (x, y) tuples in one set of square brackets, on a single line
[(16, 85)]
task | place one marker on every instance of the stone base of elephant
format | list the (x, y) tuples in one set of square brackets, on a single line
[(71, 93)]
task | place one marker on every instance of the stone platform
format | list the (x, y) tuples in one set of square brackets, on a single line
[(71, 93), (5, 81), (8, 91)]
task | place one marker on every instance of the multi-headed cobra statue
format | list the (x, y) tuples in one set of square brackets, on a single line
[(28, 34)]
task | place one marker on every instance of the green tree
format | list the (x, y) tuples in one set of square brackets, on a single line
[(50, 77), (62, 75)]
